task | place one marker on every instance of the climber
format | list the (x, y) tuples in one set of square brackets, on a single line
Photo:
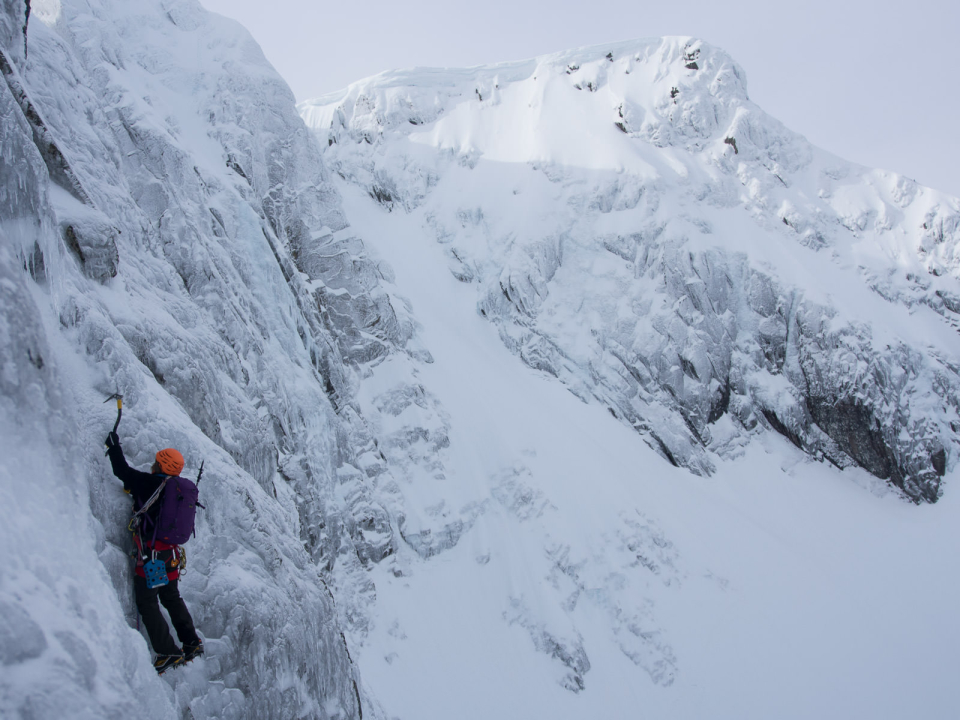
[(149, 505)]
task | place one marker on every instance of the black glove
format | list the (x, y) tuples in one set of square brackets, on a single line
[(113, 440)]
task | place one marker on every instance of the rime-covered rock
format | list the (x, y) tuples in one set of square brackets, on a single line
[(169, 231), (635, 226)]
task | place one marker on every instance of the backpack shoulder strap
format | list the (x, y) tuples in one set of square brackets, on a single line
[(153, 498)]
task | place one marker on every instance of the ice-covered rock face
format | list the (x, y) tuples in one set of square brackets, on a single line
[(635, 226), (168, 231)]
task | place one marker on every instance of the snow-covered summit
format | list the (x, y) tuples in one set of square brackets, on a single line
[(671, 91), (730, 271)]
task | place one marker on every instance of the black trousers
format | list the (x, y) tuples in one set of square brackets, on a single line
[(153, 619)]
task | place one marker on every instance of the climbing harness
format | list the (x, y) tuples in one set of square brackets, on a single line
[(155, 569)]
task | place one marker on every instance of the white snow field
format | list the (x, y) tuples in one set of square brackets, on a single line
[(511, 412)]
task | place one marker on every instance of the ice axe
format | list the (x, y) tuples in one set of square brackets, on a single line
[(119, 398)]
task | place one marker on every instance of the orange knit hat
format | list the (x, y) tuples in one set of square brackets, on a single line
[(170, 461)]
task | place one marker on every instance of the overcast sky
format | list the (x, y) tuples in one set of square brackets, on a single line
[(874, 82)]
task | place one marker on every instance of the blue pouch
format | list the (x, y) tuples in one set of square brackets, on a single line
[(155, 573)]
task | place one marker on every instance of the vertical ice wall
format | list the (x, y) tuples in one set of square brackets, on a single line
[(168, 232)]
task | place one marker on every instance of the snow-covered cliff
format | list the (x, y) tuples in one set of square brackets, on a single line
[(169, 231), (635, 226)]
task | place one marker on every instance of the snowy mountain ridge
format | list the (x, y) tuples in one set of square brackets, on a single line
[(731, 268)]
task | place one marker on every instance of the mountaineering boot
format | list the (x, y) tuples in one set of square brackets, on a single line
[(165, 662), (191, 652)]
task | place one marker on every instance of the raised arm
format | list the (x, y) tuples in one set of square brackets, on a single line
[(139, 484)]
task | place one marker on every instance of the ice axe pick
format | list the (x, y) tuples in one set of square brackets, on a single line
[(119, 398)]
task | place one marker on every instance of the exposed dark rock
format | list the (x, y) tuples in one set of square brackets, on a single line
[(733, 143), (689, 369), (855, 429), (722, 403), (781, 428), (939, 462), (662, 446), (924, 487), (57, 165), (94, 244), (950, 301), (371, 533), (235, 166), (37, 359), (35, 264), (773, 344), (219, 229), (70, 240), (381, 195)]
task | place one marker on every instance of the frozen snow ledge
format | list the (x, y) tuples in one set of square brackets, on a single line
[(636, 227)]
